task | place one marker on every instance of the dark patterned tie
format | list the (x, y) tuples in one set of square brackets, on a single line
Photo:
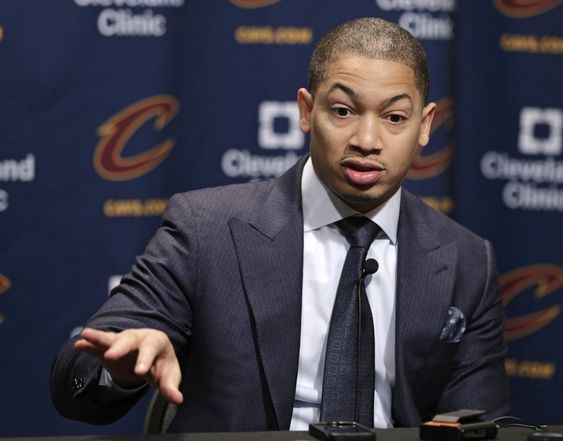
[(349, 373)]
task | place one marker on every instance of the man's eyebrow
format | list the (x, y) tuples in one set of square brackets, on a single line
[(347, 90), (396, 98), (350, 92)]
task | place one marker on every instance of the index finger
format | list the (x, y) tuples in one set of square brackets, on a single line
[(98, 338)]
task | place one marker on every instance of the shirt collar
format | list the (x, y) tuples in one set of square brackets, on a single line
[(321, 207)]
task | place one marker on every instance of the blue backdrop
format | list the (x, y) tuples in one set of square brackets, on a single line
[(108, 107)]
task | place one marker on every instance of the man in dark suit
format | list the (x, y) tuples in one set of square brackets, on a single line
[(227, 312)]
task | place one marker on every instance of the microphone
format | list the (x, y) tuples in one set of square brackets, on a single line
[(370, 267)]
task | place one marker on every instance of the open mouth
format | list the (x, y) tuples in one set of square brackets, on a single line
[(361, 172)]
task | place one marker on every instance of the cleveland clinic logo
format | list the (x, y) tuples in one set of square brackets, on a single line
[(543, 280), (525, 8), (130, 18), (532, 120), (110, 161), (534, 176), (279, 139)]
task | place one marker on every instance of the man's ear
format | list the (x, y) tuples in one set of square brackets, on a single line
[(305, 104), (428, 113)]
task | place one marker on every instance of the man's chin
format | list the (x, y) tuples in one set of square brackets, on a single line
[(362, 202)]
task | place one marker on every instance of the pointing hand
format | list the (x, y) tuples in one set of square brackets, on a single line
[(135, 356)]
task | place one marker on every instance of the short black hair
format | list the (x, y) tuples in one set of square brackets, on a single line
[(374, 38)]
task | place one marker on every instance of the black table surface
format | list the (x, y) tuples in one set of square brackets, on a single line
[(504, 434)]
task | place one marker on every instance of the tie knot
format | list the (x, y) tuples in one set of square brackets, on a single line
[(358, 230)]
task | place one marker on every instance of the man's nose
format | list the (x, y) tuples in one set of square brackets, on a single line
[(366, 137)]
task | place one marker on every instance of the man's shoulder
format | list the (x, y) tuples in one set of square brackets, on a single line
[(244, 199), (220, 192), (233, 199)]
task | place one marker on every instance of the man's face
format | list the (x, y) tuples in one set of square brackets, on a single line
[(367, 123)]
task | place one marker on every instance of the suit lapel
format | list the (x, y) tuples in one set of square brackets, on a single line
[(270, 253), (425, 279)]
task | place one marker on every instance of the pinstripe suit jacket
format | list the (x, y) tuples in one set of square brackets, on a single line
[(222, 277)]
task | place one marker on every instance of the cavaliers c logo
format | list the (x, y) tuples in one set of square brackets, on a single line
[(525, 8), (427, 166), (253, 4), (109, 161), (546, 279)]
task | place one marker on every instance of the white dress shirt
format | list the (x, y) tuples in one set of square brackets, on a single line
[(324, 253)]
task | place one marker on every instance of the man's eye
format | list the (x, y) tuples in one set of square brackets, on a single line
[(341, 111), (394, 118)]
